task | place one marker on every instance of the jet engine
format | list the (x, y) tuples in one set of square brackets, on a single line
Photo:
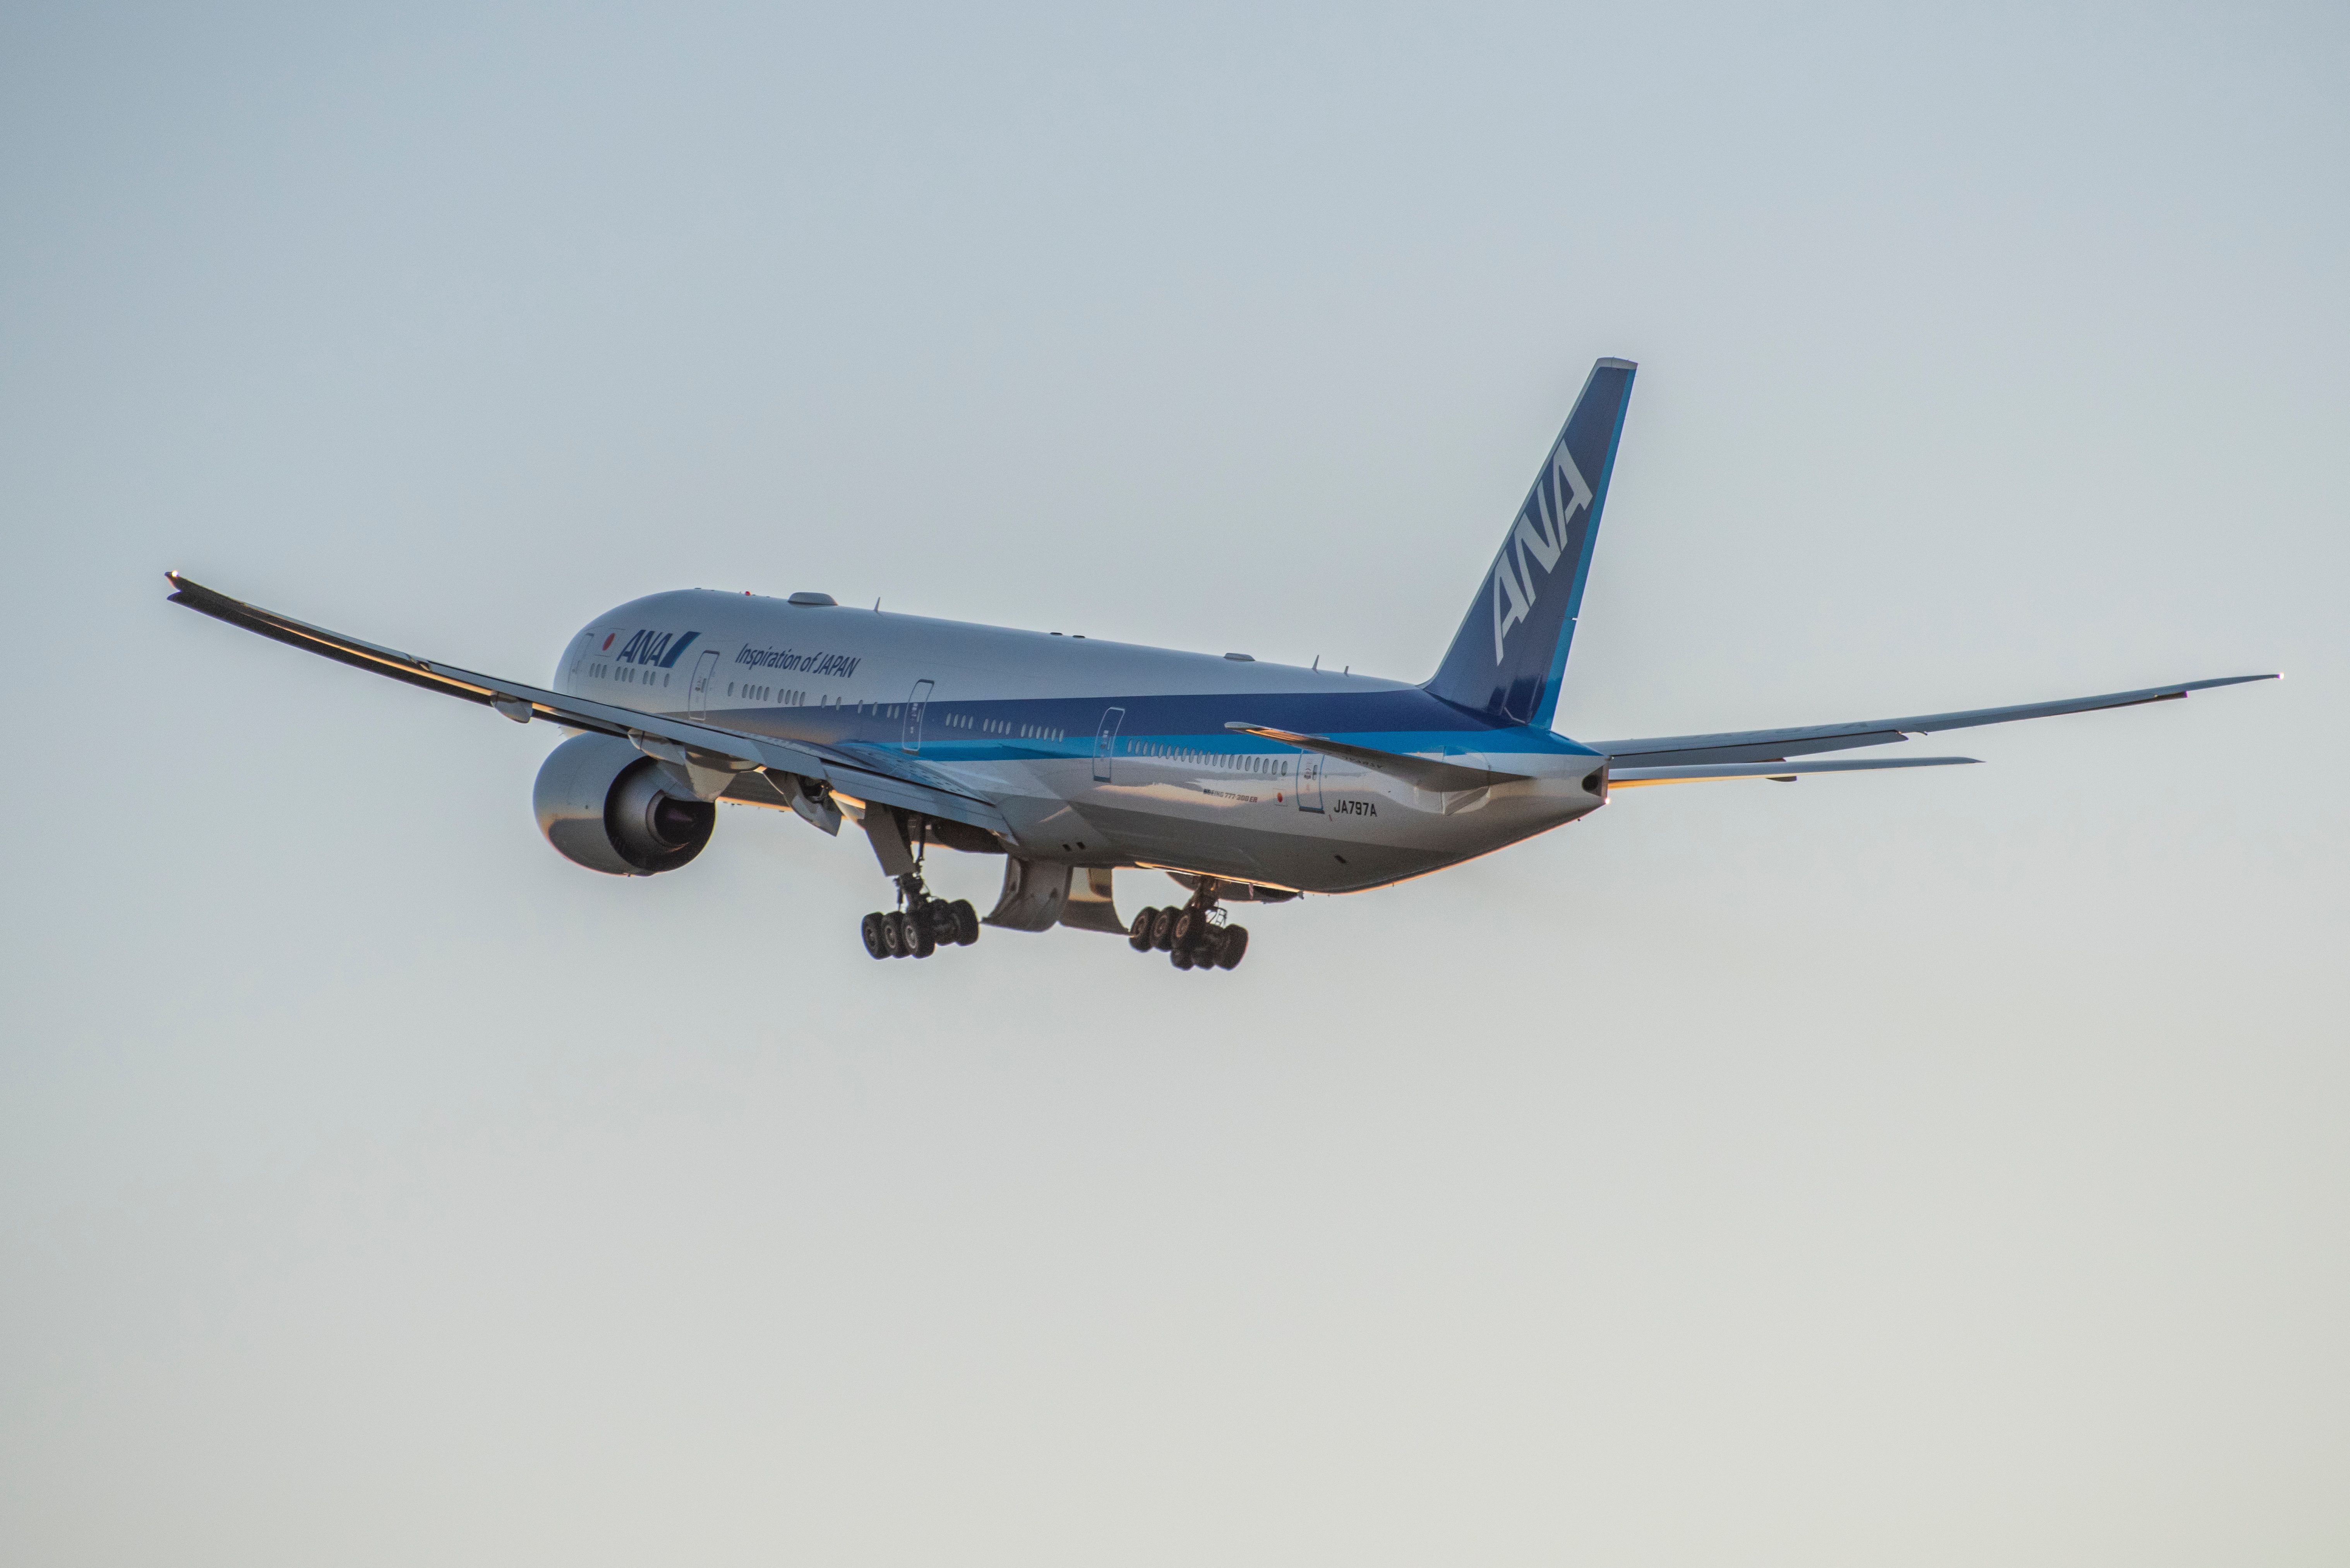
[(609, 808)]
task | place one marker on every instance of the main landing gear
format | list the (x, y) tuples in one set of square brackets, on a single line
[(1196, 936), (922, 926)]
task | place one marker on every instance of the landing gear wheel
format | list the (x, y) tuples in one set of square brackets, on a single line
[(1180, 957), (1235, 944), (1162, 930), (1185, 936), (922, 923), (876, 943), (1138, 936)]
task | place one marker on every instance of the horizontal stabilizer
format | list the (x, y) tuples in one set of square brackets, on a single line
[(1420, 772), (1627, 778)]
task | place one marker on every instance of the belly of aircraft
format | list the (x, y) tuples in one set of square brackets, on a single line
[(1371, 830)]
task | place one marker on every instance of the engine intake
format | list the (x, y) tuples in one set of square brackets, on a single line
[(607, 806)]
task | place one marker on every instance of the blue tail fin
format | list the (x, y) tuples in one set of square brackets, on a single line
[(1511, 651)]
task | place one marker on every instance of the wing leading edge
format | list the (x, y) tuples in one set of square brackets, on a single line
[(1778, 745), (867, 774)]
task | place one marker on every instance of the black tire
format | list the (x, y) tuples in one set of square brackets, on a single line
[(1180, 957), (1162, 930), (876, 944), (1185, 937), (893, 934), (921, 942), (966, 922), (1235, 947), (1137, 936)]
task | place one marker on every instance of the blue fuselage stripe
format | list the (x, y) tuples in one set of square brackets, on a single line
[(1063, 726)]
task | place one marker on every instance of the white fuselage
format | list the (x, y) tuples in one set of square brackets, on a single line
[(1097, 754)]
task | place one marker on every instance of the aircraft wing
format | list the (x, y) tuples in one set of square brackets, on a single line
[(1778, 745), (1420, 772), (865, 773)]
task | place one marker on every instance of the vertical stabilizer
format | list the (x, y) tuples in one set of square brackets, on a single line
[(1511, 651)]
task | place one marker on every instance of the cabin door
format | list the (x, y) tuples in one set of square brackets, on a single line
[(697, 691), (1105, 743), (915, 703)]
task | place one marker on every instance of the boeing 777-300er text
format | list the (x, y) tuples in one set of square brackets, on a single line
[(1073, 757)]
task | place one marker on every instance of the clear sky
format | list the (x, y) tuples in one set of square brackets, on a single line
[(1939, 1168)]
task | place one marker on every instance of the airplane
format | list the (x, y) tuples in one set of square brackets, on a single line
[(1076, 757)]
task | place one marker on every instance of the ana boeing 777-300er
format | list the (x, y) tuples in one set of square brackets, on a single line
[(1073, 757)]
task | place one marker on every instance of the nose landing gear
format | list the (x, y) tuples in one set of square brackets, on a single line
[(1196, 936)]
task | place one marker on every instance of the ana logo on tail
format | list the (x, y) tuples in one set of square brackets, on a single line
[(1540, 532)]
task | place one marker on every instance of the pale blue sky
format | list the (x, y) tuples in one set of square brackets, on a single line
[(1941, 1168)]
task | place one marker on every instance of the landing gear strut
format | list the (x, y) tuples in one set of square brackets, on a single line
[(920, 925), (1196, 936)]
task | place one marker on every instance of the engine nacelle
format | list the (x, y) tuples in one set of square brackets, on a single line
[(609, 808)]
